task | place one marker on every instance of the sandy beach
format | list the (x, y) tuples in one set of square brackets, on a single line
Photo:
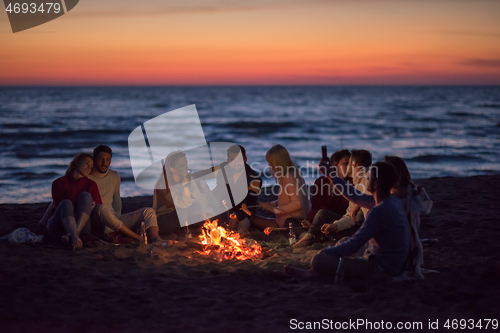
[(128, 288)]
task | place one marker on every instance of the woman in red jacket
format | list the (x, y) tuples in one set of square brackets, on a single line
[(73, 197), (324, 196)]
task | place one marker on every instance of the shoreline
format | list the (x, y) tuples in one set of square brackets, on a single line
[(108, 288), (143, 198)]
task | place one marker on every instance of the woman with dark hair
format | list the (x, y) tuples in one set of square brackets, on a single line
[(415, 200), (73, 197), (404, 178), (325, 196)]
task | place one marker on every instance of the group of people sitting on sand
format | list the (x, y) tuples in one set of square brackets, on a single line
[(374, 210)]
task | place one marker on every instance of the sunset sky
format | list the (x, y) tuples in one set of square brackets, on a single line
[(209, 42)]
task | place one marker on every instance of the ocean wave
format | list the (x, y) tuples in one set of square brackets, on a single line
[(40, 152), (260, 125), (489, 105), (425, 129), (36, 137), (127, 179), (161, 105), (18, 126), (461, 114), (34, 175), (431, 158)]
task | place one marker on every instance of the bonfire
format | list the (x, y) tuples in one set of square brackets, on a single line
[(224, 244)]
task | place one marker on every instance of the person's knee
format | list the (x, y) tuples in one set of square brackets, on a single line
[(148, 213), (316, 262), (322, 212), (85, 196), (66, 209), (66, 204), (323, 215), (149, 217), (324, 263)]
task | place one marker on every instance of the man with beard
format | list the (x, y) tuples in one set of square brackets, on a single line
[(109, 213)]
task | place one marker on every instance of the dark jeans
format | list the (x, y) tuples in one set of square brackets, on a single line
[(65, 209), (325, 216), (322, 217)]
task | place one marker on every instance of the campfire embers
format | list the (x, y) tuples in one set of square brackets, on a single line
[(223, 244)]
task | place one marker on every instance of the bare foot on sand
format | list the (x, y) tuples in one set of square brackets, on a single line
[(77, 243), (298, 272), (303, 242)]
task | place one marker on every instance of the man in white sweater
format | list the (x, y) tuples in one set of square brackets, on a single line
[(109, 213)]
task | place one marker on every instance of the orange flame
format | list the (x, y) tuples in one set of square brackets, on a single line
[(226, 245)]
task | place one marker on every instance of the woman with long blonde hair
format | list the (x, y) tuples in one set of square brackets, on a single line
[(292, 205)]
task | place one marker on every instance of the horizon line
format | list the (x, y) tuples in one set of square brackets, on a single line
[(248, 85)]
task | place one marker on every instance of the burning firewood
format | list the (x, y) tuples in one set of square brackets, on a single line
[(225, 245)]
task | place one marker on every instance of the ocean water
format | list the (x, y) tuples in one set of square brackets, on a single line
[(439, 131)]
